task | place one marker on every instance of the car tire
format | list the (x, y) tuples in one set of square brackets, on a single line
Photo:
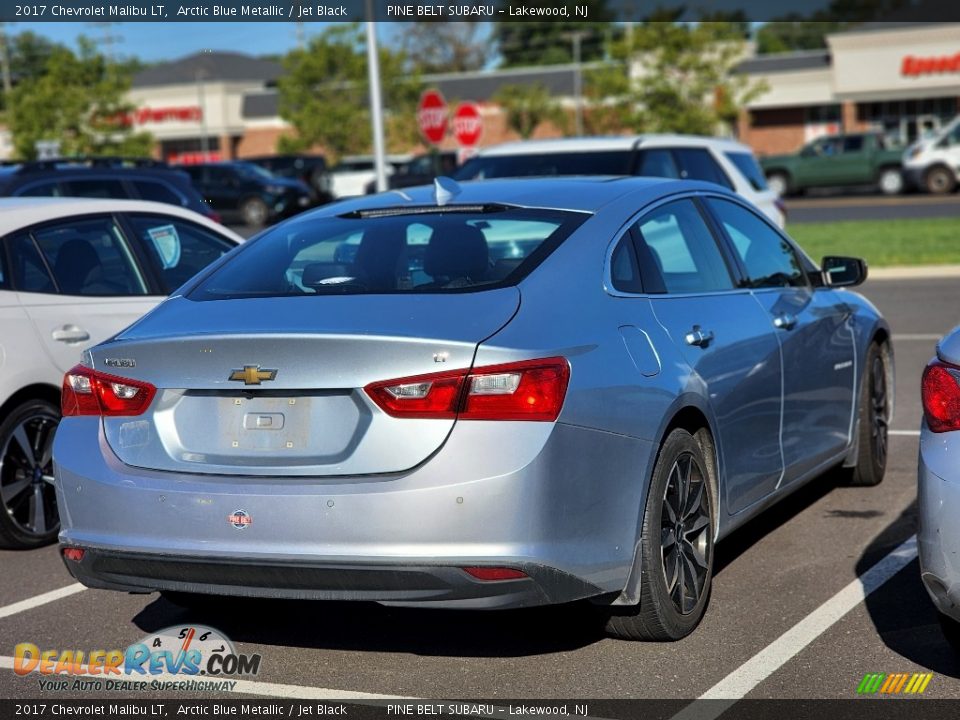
[(26, 476), (873, 421), (891, 181), (676, 577), (939, 180), (254, 212), (779, 182)]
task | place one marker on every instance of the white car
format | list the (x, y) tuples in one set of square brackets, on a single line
[(74, 272), (933, 163), (353, 173), (689, 157)]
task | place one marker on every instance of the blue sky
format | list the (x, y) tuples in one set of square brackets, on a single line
[(166, 41)]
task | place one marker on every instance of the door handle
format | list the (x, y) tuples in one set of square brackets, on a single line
[(698, 337), (70, 334), (784, 321)]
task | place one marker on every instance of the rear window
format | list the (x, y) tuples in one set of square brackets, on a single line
[(748, 167), (607, 162), (433, 252)]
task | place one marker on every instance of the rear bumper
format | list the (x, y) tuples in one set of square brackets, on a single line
[(424, 585), (560, 502), (938, 538)]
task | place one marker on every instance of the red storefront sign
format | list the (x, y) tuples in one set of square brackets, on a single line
[(938, 65)]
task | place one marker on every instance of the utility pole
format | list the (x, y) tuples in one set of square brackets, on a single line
[(201, 100), (577, 37), (108, 40), (5, 65), (376, 103)]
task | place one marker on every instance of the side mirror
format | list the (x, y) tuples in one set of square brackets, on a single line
[(839, 271)]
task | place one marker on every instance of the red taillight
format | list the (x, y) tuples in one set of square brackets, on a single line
[(527, 390), (490, 574), (940, 393), (72, 553), (88, 392)]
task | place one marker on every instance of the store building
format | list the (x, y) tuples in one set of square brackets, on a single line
[(903, 79)]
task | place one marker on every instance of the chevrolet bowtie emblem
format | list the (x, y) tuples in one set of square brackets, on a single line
[(252, 375)]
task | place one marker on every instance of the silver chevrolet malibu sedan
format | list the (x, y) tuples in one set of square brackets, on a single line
[(505, 394)]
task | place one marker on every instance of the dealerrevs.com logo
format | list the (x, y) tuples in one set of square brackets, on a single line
[(170, 659), (894, 683)]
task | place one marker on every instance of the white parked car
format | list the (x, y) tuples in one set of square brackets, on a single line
[(933, 163), (74, 272), (688, 157), (353, 173)]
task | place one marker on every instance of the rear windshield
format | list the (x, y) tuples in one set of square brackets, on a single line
[(433, 252), (607, 162), (747, 165)]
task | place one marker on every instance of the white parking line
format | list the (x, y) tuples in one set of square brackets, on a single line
[(924, 337), (37, 600), (745, 678), (908, 433)]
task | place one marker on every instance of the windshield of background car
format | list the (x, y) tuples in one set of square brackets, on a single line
[(605, 162), (435, 252), (748, 166), (249, 171)]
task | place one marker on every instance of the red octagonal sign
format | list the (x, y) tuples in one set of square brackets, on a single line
[(467, 124), (432, 116)]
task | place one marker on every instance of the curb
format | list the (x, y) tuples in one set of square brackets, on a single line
[(913, 272)]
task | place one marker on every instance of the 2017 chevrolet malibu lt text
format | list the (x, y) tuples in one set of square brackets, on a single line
[(514, 393)]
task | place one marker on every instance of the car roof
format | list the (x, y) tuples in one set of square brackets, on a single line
[(576, 193), (19, 212), (608, 143)]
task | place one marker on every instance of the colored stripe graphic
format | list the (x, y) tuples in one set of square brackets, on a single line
[(907, 683)]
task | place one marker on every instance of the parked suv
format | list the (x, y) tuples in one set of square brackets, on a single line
[(74, 272), (420, 170), (836, 161), (245, 192), (312, 170), (116, 178), (724, 162), (933, 164)]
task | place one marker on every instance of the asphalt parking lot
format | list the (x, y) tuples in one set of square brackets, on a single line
[(777, 625)]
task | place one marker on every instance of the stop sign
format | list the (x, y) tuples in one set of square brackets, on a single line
[(432, 116), (467, 124)]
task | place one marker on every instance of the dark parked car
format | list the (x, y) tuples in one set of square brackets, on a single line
[(248, 193), (420, 170), (115, 178), (310, 169)]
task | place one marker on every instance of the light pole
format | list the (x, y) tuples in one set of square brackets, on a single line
[(201, 100), (376, 104)]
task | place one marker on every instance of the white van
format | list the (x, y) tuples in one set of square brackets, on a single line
[(933, 164)]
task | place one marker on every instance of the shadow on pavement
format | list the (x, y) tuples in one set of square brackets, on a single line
[(371, 627), (901, 610)]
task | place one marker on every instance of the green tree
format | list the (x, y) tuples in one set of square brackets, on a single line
[(527, 106), (551, 42), (683, 78), (79, 100), (324, 93), (445, 46)]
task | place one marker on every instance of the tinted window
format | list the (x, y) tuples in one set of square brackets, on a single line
[(95, 188), (429, 252), (608, 162), (43, 189), (853, 143), (29, 271), (749, 168), (90, 257), (624, 269), (658, 162), (769, 259), (698, 164), (179, 249), (158, 192), (678, 253), (219, 176)]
